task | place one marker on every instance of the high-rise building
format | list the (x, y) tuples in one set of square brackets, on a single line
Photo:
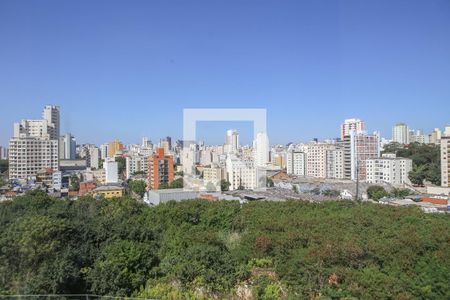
[(316, 159), (417, 136), (241, 173), (445, 161), (232, 141), (435, 136), (114, 147), (357, 148), (261, 149), (356, 125), (135, 164), (111, 170), (3, 153), (400, 133), (388, 169), (51, 115), (67, 147), (296, 163), (92, 156), (34, 145), (335, 163), (165, 144), (447, 130), (104, 151), (160, 169)]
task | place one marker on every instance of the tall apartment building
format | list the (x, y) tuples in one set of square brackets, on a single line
[(400, 133), (241, 173), (136, 163), (213, 175), (335, 163), (51, 115), (111, 170), (316, 159), (165, 144), (104, 151), (445, 161), (357, 148), (3, 153), (356, 125), (93, 156), (261, 149), (388, 169), (114, 148), (160, 169), (417, 136), (296, 162), (435, 136), (34, 145), (67, 147), (231, 141)]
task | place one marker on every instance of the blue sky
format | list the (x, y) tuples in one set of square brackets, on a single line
[(125, 69)]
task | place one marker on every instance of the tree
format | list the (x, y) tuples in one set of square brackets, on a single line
[(4, 164), (74, 183), (376, 192), (224, 185), (418, 175), (121, 164), (138, 187), (177, 183)]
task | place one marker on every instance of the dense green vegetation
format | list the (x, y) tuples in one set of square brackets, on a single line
[(426, 161), (137, 186), (199, 249)]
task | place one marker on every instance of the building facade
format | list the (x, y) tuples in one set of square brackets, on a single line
[(388, 169), (34, 145), (400, 133), (160, 169), (296, 163), (445, 161), (356, 125)]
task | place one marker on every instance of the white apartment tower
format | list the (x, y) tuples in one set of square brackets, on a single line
[(356, 125), (261, 149), (34, 145), (335, 163), (400, 133), (231, 141), (111, 170), (241, 173), (67, 147), (296, 163), (388, 169)]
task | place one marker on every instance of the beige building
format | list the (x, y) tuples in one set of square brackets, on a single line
[(445, 161)]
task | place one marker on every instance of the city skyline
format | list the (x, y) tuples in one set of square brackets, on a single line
[(129, 71)]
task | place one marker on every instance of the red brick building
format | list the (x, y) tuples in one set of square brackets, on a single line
[(160, 169)]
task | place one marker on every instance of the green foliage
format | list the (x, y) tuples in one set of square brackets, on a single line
[(4, 165), (121, 164), (74, 183), (224, 185), (176, 184), (137, 186), (206, 250), (401, 193), (331, 193), (376, 192)]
